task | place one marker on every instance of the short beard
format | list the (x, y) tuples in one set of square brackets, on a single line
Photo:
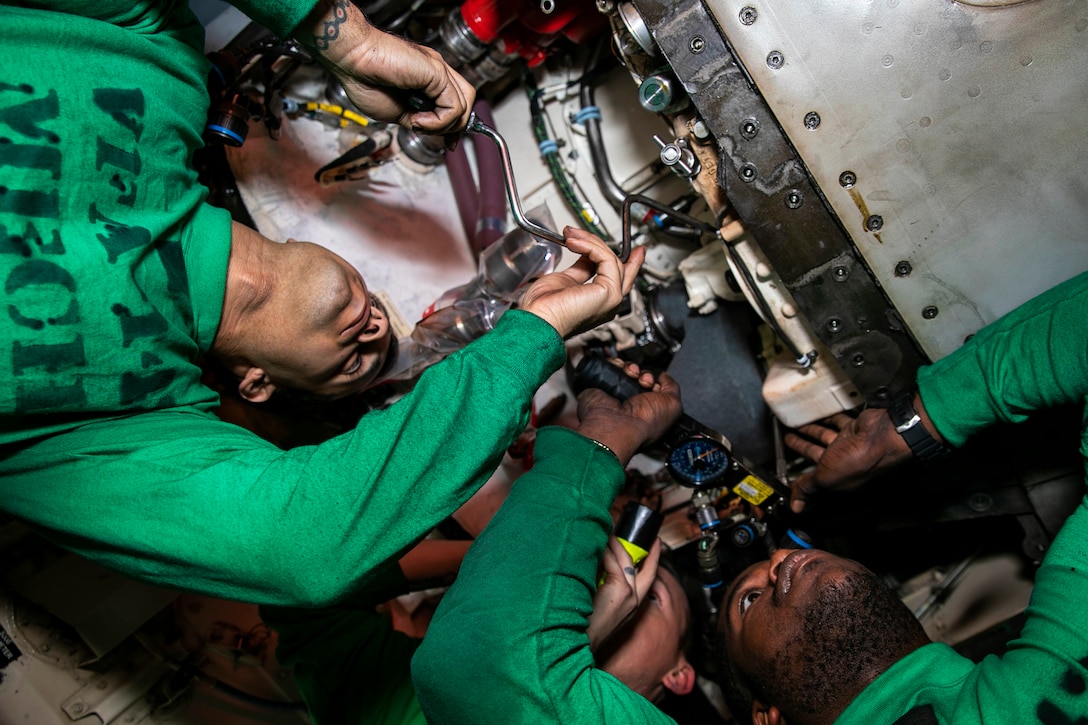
[(854, 631)]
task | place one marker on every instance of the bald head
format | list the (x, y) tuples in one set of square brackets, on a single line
[(298, 316)]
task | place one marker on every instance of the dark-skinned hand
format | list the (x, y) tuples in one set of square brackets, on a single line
[(625, 427), (847, 451)]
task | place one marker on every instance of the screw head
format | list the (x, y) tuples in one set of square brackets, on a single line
[(700, 131), (697, 44), (749, 127), (747, 173), (748, 15), (980, 502), (812, 120), (903, 269), (775, 60), (858, 360), (834, 325), (847, 179), (794, 199), (930, 312), (882, 393), (840, 274), (874, 223)]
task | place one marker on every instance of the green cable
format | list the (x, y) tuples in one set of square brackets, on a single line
[(585, 212)]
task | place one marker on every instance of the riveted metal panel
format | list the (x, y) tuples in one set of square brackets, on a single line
[(963, 126), (782, 208)]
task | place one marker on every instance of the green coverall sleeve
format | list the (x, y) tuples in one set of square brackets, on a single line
[(279, 16), (508, 643), (184, 500), (1032, 358)]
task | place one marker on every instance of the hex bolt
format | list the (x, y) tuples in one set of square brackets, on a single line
[(749, 127), (812, 120), (903, 269), (794, 199), (748, 15), (858, 360), (874, 223), (747, 173), (834, 325), (775, 60), (840, 273), (697, 44), (930, 312), (847, 179)]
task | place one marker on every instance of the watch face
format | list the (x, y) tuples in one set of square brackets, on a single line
[(698, 462)]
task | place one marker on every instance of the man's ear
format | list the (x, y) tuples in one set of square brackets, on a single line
[(766, 714), (255, 385), (681, 678)]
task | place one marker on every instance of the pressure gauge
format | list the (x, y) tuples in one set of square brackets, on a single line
[(698, 462)]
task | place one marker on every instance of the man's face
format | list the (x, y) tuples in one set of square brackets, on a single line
[(650, 644), (765, 608), (326, 334), (808, 630)]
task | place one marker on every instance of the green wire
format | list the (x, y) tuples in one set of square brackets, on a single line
[(582, 209)]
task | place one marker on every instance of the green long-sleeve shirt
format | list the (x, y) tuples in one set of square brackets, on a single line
[(508, 643), (114, 270), (1034, 357)]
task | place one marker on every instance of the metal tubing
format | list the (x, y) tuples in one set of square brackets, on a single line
[(611, 189), (477, 126)]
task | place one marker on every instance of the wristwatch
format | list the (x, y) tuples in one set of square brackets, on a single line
[(908, 424)]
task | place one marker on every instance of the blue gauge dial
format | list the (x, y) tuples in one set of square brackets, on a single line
[(698, 462)]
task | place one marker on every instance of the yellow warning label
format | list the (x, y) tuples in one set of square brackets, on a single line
[(752, 490)]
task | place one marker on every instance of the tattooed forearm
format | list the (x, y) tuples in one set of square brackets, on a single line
[(330, 31)]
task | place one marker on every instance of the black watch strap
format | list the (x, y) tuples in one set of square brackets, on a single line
[(908, 424)]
